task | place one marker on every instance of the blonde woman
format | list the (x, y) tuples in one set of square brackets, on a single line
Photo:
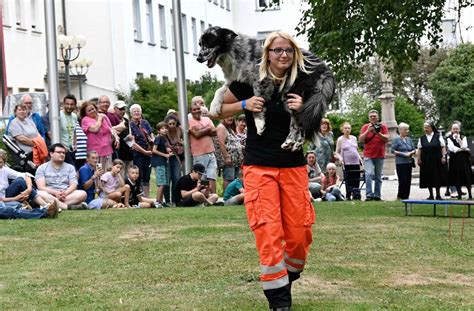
[(277, 199)]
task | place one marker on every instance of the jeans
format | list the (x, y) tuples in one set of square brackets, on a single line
[(315, 189), (373, 170), (17, 187), (12, 210), (334, 195), (175, 175)]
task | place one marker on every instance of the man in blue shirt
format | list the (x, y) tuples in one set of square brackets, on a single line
[(88, 174), (234, 193)]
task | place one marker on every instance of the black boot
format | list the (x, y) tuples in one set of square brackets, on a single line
[(279, 298)]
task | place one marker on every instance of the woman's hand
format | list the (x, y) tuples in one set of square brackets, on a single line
[(255, 104), (294, 101)]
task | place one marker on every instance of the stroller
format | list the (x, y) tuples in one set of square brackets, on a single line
[(355, 181), (22, 160)]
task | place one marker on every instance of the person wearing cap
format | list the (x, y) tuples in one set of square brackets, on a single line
[(124, 151), (192, 191)]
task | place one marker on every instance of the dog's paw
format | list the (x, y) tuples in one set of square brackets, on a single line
[(297, 146), (288, 144), (259, 124), (216, 108)]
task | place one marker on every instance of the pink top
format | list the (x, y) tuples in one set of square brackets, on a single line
[(100, 141), (204, 144), (111, 182)]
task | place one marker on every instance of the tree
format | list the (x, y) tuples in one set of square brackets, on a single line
[(347, 33), (452, 85)]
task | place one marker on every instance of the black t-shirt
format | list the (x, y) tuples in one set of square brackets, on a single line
[(185, 183), (161, 146), (135, 191), (265, 149), (125, 152)]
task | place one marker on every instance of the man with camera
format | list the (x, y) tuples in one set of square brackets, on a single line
[(192, 190), (374, 136)]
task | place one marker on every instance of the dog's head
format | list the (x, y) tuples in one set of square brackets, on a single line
[(214, 42)]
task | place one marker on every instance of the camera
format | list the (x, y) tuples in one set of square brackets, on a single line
[(377, 127)]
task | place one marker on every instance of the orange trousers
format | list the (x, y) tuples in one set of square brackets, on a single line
[(280, 214)]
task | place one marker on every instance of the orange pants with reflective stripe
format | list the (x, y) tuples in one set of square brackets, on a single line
[(280, 214)]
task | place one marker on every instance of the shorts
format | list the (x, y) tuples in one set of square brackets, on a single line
[(209, 162), (187, 202), (95, 204), (233, 201), (230, 173), (162, 175)]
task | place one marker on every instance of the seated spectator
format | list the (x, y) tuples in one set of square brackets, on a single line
[(89, 176), (314, 174), (113, 186), (18, 192), (57, 179), (192, 191), (137, 197), (234, 193), (330, 180)]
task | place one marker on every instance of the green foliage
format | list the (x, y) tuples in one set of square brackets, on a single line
[(408, 113), (452, 85), (157, 97), (347, 33)]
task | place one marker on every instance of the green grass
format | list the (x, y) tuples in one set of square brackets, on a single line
[(364, 256)]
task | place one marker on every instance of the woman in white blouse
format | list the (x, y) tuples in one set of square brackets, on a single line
[(459, 161)]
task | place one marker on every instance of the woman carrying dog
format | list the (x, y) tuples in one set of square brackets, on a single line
[(277, 199)]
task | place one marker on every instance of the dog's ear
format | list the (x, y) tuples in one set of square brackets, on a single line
[(228, 34)]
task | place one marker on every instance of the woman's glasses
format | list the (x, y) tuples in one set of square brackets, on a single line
[(279, 51)]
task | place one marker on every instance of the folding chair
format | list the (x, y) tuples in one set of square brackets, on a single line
[(350, 176), (21, 159)]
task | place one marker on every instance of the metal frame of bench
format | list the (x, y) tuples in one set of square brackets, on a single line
[(446, 203)]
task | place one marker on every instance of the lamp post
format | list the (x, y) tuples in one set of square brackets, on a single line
[(80, 68), (67, 46)]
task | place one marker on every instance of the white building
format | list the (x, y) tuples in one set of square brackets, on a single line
[(128, 38)]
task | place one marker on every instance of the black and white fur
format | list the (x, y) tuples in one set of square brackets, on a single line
[(239, 55)]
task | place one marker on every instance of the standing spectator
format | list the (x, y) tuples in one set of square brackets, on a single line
[(201, 129), (81, 146), (23, 130), (137, 199), (103, 105), (159, 160), (241, 130), (315, 175), (142, 148), (99, 133), (431, 160), (231, 150), (175, 142), (198, 100), (56, 179), (329, 188), (113, 186), (450, 189), (348, 154), (325, 150), (459, 161), (67, 124), (404, 150), (123, 131), (374, 136), (193, 191), (27, 101)]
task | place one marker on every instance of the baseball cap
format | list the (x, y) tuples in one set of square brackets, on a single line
[(120, 104), (199, 168)]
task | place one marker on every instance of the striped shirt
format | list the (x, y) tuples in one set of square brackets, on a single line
[(81, 140)]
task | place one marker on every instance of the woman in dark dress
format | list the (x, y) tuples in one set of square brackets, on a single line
[(459, 161), (431, 160)]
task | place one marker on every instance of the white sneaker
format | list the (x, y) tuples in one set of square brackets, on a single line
[(317, 200)]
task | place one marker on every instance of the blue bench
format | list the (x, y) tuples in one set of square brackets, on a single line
[(445, 203)]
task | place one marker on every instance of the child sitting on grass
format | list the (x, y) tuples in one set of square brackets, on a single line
[(329, 189), (159, 161), (113, 186), (137, 198)]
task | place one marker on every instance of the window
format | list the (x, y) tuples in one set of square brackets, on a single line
[(203, 27), (149, 20), (172, 30), (34, 15), (19, 15), (39, 90), (9, 90), (228, 5), (268, 5), (165, 79), (216, 2), (139, 75), (137, 29), (5, 14), (261, 36), (210, 25), (184, 25), (195, 38), (222, 3), (161, 12), (153, 77), (23, 90)]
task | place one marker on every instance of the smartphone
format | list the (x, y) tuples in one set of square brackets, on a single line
[(205, 182), (98, 166)]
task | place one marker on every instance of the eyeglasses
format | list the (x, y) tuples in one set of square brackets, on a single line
[(279, 51), (122, 108)]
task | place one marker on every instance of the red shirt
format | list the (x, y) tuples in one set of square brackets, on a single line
[(374, 146)]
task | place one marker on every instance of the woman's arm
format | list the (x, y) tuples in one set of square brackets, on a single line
[(95, 128), (24, 140), (233, 106)]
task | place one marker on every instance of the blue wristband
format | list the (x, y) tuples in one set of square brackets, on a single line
[(244, 104)]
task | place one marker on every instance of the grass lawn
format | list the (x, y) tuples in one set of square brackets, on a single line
[(364, 256)]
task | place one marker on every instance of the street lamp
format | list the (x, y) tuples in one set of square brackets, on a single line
[(80, 67), (66, 46)]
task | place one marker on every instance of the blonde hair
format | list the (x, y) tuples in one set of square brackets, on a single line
[(298, 59), (328, 122), (343, 125)]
